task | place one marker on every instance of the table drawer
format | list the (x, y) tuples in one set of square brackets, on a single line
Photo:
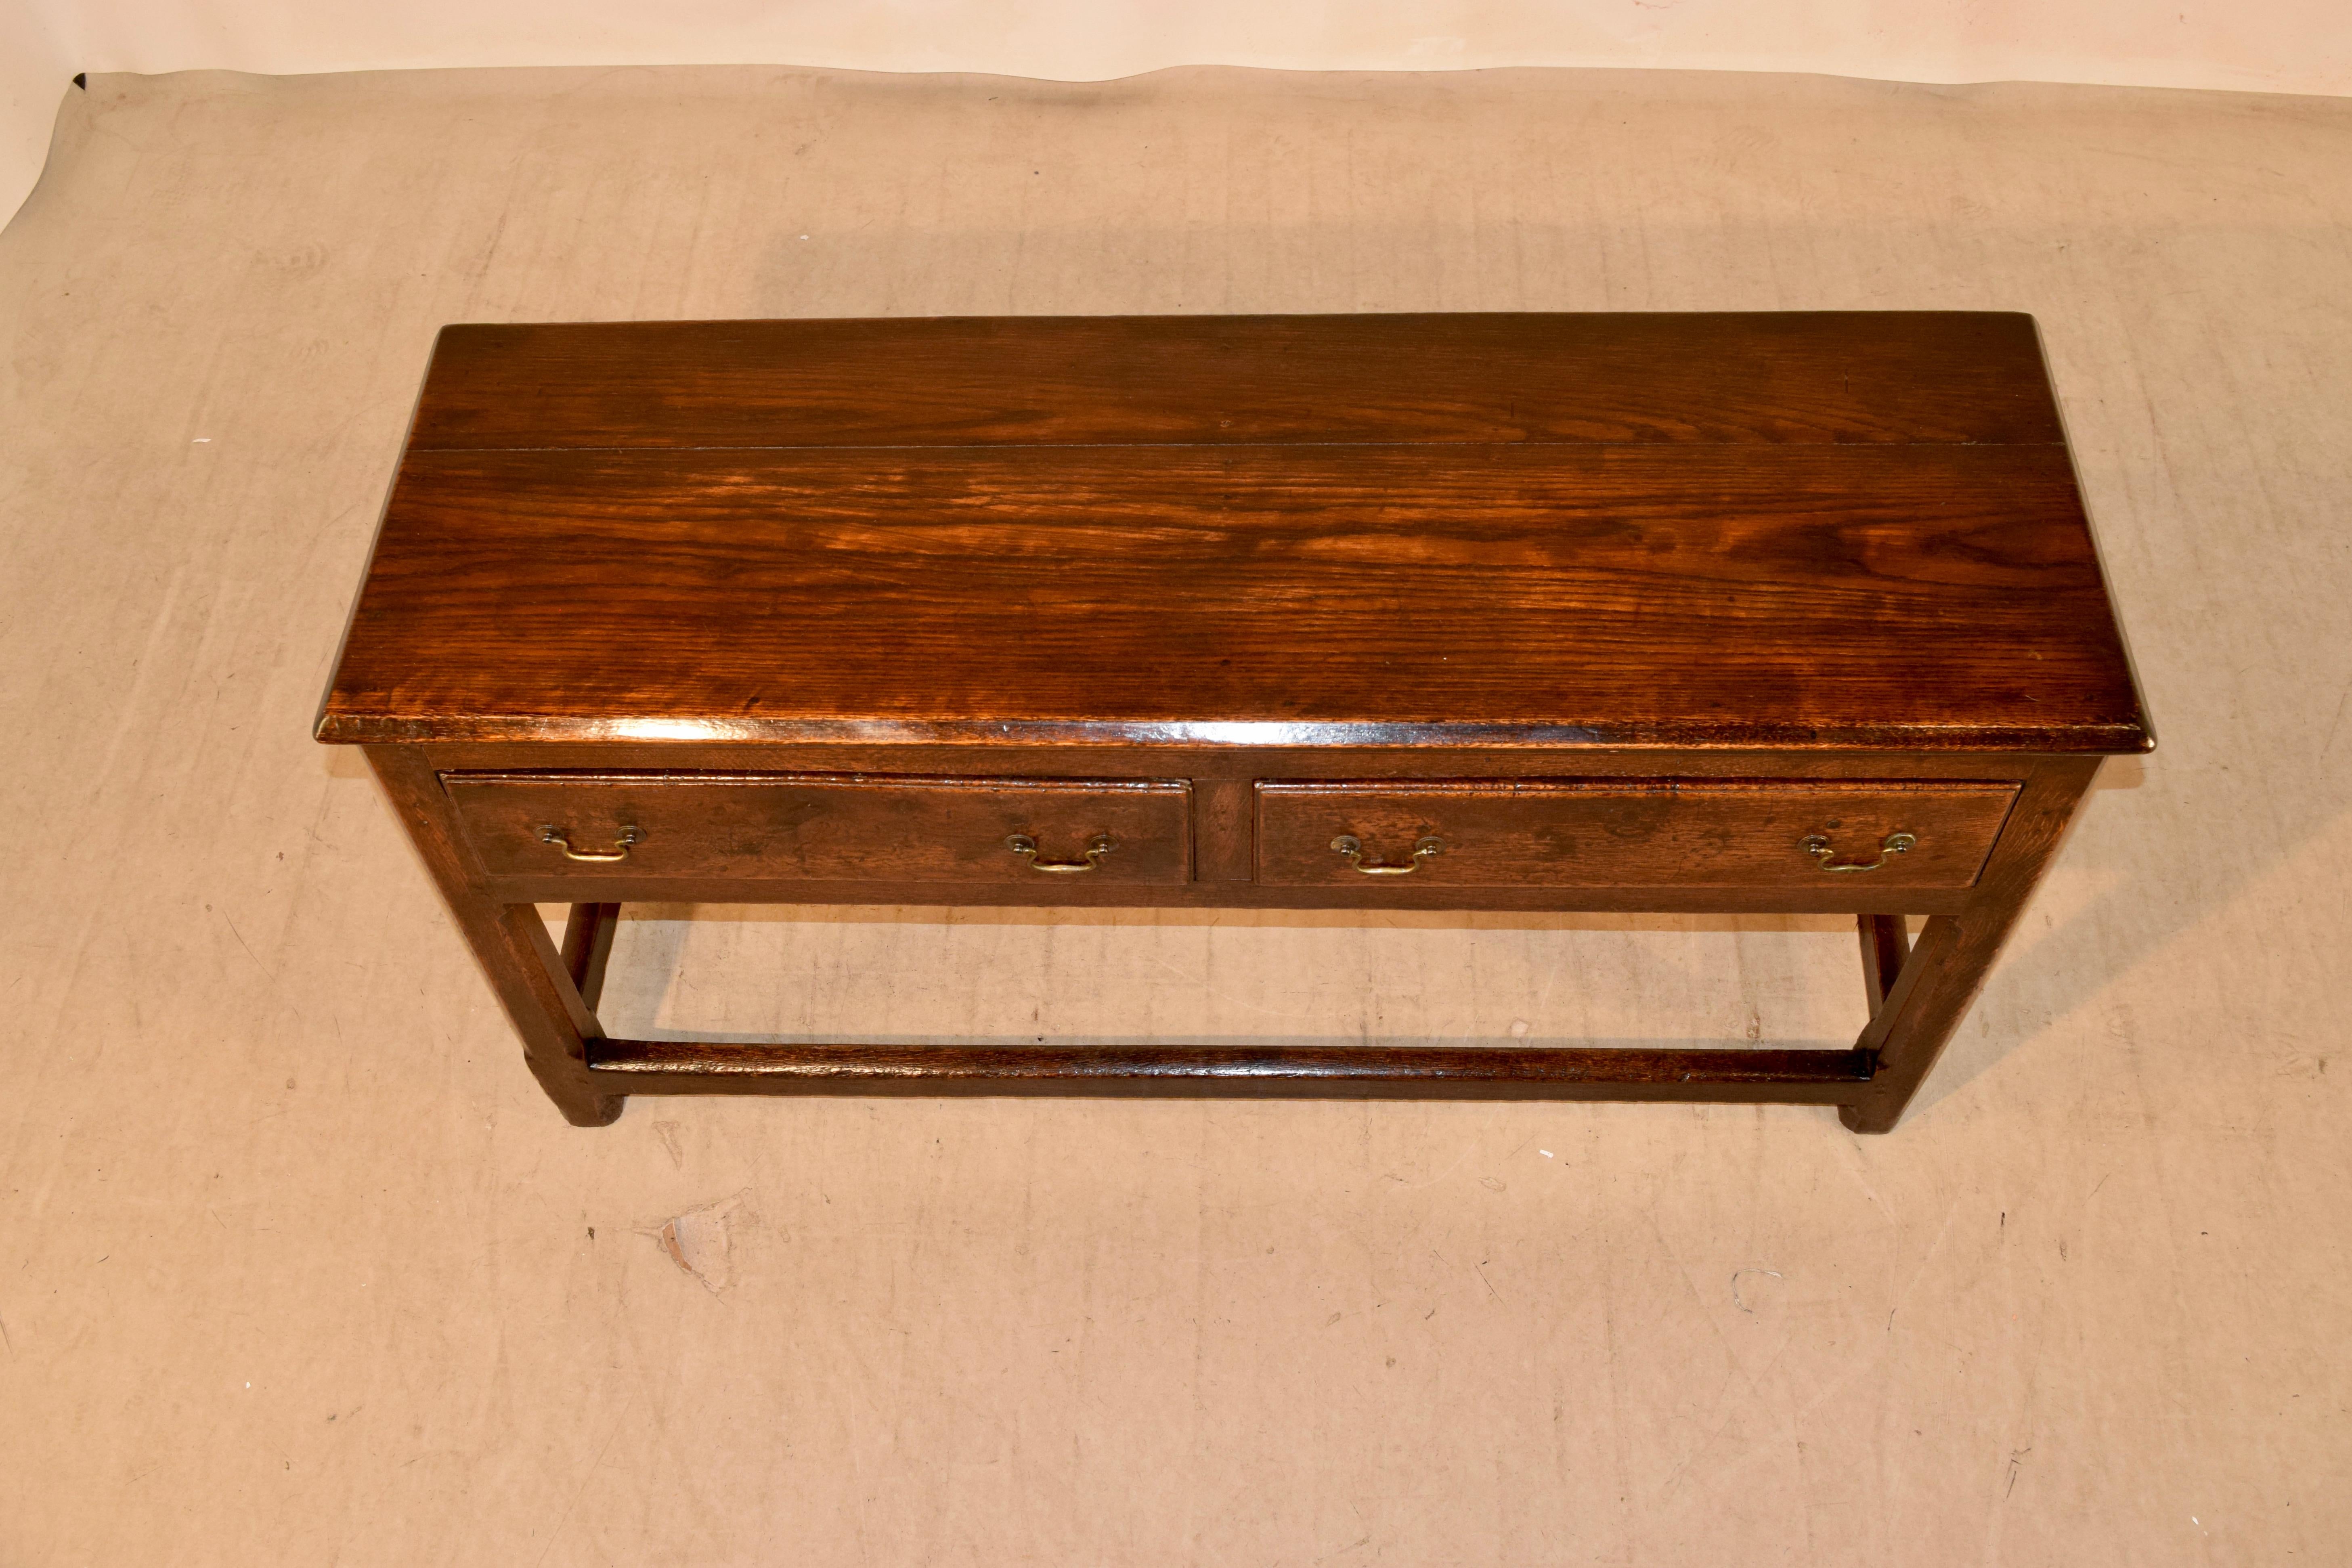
[(826, 827), (1655, 833)]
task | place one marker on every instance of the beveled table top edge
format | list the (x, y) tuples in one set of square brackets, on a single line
[(2120, 739)]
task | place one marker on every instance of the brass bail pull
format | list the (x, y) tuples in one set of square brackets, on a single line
[(551, 834), (1098, 847), (1352, 849), (1818, 846)]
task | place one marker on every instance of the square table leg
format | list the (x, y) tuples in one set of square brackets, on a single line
[(1943, 973), (532, 981)]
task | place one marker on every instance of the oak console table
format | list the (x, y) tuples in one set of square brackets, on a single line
[(1793, 612)]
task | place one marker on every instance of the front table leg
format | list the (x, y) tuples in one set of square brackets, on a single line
[(1947, 967), (512, 943)]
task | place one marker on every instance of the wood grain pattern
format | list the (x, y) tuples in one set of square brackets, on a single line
[(1654, 832), (1816, 1077), (525, 971), (786, 828), (1224, 829), (1237, 763), (1955, 953), (1908, 597), (1885, 947), (587, 948), (1823, 896), (1898, 376), (1227, 587)]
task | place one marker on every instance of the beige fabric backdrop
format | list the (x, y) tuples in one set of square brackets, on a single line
[(296, 1265), (2268, 45)]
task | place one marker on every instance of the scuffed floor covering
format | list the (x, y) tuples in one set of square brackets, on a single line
[(296, 1265)]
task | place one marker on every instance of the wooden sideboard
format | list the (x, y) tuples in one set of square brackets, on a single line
[(1792, 613)]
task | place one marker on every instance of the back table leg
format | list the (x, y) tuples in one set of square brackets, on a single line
[(588, 948), (512, 943), (1942, 976), (1885, 945)]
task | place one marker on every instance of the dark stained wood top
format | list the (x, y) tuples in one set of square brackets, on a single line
[(1788, 530), (1067, 380)]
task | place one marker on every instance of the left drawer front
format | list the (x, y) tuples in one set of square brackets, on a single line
[(824, 827)]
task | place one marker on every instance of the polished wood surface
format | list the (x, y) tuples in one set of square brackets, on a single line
[(526, 974), (587, 949), (1653, 833), (1664, 613), (1223, 786), (787, 827), (1918, 575), (1948, 964), (1815, 1077), (1885, 946), (1901, 377)]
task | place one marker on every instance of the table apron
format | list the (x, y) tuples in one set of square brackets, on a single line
[(1844, 897)]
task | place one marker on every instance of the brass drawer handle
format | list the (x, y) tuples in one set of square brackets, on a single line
[(1098, 847), (551, 834), (1352, 848), (1894, 844)]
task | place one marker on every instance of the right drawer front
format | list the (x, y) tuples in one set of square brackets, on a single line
[(1616, 833)]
